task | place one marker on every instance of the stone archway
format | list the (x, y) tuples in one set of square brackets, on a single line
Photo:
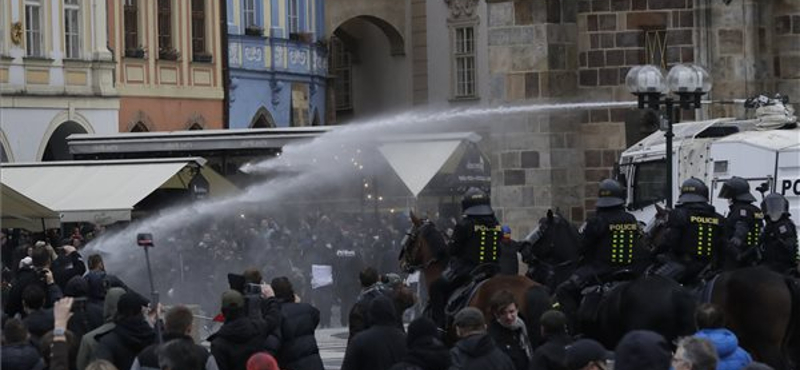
[(5, 150), (368, 62), (57, 148)]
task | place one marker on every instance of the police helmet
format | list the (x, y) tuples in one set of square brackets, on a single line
[(476, 203), (775, 206), (693, 190), (610, 194), (737, 188)]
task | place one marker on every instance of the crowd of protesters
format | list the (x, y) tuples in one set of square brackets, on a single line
[(62, 311)]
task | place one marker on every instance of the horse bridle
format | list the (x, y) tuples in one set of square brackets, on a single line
[(410, 239)]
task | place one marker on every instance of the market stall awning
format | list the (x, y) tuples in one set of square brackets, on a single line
[(21, 212), (105, 191), (417, 159)]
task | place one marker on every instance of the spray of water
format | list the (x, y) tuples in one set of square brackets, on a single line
[(317, 169)]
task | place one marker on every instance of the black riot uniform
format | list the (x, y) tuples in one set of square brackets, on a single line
[(779, 240), (475, 241), (693, 237), (744, 223), (608, 244)]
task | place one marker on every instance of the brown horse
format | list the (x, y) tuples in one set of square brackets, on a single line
[(424, 249), (761, 306)]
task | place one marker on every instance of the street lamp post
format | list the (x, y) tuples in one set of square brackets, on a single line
[(688, 82)]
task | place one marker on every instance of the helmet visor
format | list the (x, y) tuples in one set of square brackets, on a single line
[(479, 210), (727, 192), (774, 207)]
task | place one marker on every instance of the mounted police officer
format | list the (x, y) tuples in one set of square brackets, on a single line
[(475, 241), (608, 242), (744, 222), (693, 238), (779, 243)]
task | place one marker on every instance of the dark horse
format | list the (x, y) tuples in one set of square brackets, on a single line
[(551, 250), (761, 306), (424, 249), (651, 303)]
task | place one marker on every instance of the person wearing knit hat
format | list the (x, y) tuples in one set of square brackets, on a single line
[(262, 361), (642, 350), (475, 348), (240, 336), (587, 354), (425, 350), (551, 353)]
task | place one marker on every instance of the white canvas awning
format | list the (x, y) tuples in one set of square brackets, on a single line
[(418, 158), (21, 212), (104, 191)]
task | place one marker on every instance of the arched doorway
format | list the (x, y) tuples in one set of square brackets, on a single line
[(370, 69), (57, 148), (195, 127), (262, 119)]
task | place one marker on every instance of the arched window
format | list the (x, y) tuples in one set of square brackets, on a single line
[(57, 148), (139, 127)]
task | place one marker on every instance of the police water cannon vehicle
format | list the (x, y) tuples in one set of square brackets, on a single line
[(765, 150)]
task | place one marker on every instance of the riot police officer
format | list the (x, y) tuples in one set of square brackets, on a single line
[(608, 243), (744, 222), (475, 241), (693, 237), (779, 243)]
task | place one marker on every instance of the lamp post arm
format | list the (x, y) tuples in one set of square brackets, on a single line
[(670, 113)]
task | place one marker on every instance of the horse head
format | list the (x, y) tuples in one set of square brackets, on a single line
[(554, 239), (654, 230), (422, 244)]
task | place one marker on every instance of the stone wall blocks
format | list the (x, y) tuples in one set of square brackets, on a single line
[(510, 160), (537, 177), (507, 195), (500, 60), (529, 159), (528, 58), (513, 177), (638, 20), (500, 14)]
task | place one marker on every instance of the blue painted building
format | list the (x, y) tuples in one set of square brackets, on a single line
[(278, 63)]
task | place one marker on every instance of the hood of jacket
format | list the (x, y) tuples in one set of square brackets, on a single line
[(381, 311), (428, 353), (110, 303), (21, 357), (76, 287), (239, 330), (135, 332), (723, 340), (476, 345)]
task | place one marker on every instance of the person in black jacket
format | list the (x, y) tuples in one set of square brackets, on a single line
[(39, 274), (131, 334), (38, 320), (381, 345), (744, 223), (241, 335), (551, 355), (87, 316), (298, 349), (475, 349), (509, 331), (424, 348), (177, 326), (68, 265), (18, 352), (371, 288)]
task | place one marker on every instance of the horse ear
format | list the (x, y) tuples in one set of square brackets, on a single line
[(414, 219), (550, 215), (659, 210)]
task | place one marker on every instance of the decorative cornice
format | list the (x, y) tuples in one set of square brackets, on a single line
[(462, 9)]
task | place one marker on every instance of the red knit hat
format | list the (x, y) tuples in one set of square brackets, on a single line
[(262, 361)]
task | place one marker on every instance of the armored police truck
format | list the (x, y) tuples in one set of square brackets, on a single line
[(714, 151)]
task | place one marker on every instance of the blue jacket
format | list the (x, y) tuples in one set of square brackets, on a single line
[(731, 356)]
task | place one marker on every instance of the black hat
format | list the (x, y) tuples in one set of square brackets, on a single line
[(642, 349), (469, 317), (130, 303), (421, 327), (232, 299), (584, 351)]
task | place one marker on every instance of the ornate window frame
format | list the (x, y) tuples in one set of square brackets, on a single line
[(73, 42), (462, 24), (34, 38)]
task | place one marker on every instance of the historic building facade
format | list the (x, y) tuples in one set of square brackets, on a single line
[(550, 51), (168, 58), (56, 77), (278, 60)]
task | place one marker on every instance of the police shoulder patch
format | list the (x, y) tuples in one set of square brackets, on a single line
[(783, 229), (743, 212)]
